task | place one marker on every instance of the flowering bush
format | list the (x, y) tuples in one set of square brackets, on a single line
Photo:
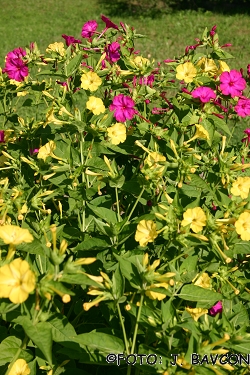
[(124, 209)]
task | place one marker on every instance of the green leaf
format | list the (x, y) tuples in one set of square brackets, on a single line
[(118, 283), (219, 123), (35, 247), (9, 348), (104, 213), (209, 127), (41, 335), (242, 247), (195, 293), (61, 329), (73, 64), (98, 345), (130, 272), (93, 244)]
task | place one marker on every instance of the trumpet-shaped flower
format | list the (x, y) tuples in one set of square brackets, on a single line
[(201, 133), (145, 232), (156, 295), (196, 313), (243, 107), (203, 281), (242, 226), (95, 105), (57, 47), (207, 66), (117, 133), (241, 187), (195, 217), (70, 40), (247, 138), (223, 67), (232, 83), (186, 72), (46, 150), (1, 136), (17, 281), (112, 52), (15, 67), (89, 29), (216, 309), (205, 94), (123, 107), (90, 81), (14, 235), (20, 367)]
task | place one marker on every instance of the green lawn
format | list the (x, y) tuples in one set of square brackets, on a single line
[(24, 21)]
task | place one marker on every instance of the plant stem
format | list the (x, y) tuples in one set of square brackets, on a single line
[(123, 329), (137, 324), (136, 202), (83, 181), (117, 204)]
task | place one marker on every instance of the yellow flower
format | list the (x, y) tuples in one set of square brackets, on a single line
[(20, 367), (196, 313), (46, 150), (195, 217), (56, 47), (95, 105), (90, 81), (201, 132), (117, 133), (50, 118), (203, 281), (14, 235), (241, 187), (207, 66), (186, 72), (156, 295), (16, 281), (242, 226), (223, 67), (146, 232)]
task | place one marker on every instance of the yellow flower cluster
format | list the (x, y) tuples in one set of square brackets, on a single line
[(241, 187), (17, 281)]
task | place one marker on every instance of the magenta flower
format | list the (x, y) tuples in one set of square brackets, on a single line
[(205, 94), (112, 52), (70, 40), (123, 107), (16, 69), (34, 151), (109, 23), (243, 107), (89, 29), (232, 83), (1, 136), (147, 81), (246, 139), (17, 53), (216, 309)]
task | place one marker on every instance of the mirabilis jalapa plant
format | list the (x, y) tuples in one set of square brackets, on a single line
[(125, 209)]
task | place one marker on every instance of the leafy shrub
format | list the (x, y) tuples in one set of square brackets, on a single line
[(125, 212)]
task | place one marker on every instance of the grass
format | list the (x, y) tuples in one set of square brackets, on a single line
[(24, 21)]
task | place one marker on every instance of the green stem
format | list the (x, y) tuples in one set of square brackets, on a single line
[(83, 180), (123, 329), (137, 324), (136, 202), (23, 346), (117, 204)]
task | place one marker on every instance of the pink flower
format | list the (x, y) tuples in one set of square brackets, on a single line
[(232, 83), (205, 94), (216, 309), (112, 51), (109, 23), (16, 69), (34, 151), (70, 40), (243, 107), (147, 81), (17, 53), (89, 29), (1, 136), (123, 107), (247, 139)]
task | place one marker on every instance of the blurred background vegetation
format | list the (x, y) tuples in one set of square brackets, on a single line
[(169, 25)]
